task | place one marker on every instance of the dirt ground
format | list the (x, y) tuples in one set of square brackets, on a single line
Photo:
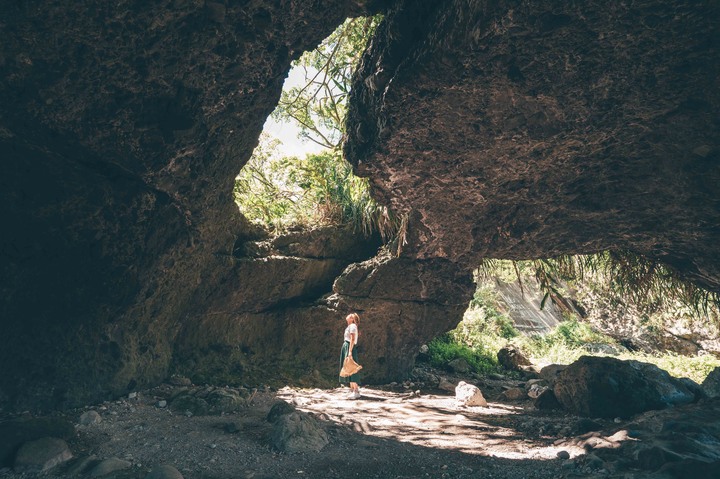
[(391, 432)]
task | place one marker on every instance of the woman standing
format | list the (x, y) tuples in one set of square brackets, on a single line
[(348, 349)]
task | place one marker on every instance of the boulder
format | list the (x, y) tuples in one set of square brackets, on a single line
[(41, 455), (164, 472), (16, 432), (550, 372), (280, 408), (298, 432), (510, 357), (90, 417), (109, 466), (208, 401), (711, 384), (514, 394), (546, 401), (469, 395), (608, 387), (446, 385)]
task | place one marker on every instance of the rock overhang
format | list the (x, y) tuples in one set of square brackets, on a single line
[(522, 130)]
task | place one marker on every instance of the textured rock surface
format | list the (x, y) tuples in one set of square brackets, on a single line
[(122, 127), (402, 303), (505, 129), (15, 432), (41, 455), (298, 432), (529, 129), (609, 387)]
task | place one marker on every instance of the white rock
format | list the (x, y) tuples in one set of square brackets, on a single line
[(469, 395)]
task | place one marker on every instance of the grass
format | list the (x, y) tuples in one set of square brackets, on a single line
[(444, 349), (485, 329)]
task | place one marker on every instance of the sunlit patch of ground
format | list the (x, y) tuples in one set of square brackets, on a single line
[(431, 421)]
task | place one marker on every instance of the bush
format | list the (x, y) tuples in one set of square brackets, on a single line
[(444, 349)]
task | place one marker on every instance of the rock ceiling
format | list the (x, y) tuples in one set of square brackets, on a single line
[(505, 129)]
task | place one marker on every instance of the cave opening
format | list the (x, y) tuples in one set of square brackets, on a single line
[(557, 315), (297, 177)]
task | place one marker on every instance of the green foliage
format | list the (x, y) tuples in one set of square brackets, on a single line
[(320, 105), (484, 317), (483, 332), (574, 333), (320, 188), (694, 367), (647, 284), (444, 349), (263, 190)]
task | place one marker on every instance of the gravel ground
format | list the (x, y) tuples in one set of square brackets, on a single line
[(385, 434)]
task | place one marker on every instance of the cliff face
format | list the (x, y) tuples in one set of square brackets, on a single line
[(122, 127), (505, 129), (517, 129)]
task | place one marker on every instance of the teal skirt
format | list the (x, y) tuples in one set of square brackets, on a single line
[(355, 378)]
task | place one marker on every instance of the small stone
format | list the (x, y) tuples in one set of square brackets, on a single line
[(41, 455), (514, 394), (702, 150), (162, 403), (617, 420), (446, 385), (564, 455), (165, 471), (109, 465), (180, 381), (231, 428), (90, 417), (132, 395)]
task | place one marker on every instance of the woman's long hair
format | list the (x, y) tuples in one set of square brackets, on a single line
[(355, 319)]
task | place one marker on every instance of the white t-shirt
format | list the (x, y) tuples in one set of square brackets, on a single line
[(351, 329)]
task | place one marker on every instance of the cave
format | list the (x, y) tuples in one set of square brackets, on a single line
[(503, 129)]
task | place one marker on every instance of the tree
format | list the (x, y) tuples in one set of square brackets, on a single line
[(320, 105), (320, 188)]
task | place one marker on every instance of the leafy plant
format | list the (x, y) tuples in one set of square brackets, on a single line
[(320, 188), (444, 349), (644, 282), (320, 105)]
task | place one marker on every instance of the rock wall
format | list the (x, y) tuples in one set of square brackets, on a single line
[(122, 127), (504, 129), (520, 129), (281, 317)]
